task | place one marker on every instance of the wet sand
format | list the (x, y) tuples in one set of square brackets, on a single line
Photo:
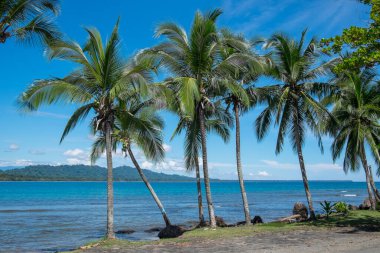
[(305, 240)]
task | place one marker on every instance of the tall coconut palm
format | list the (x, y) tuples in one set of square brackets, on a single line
[(356, 108), (218, 121), (138, 124), (240, 94), (100, 84), (292, 102), (28, 20), (194, 62)]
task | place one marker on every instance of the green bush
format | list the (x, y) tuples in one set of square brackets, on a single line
[(341, 207), (327, 207)]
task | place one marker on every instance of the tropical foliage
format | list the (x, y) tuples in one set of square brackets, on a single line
[(197, 71), (362, 41), (291, 103), (136, 123), (356, 104), (28, 21), (212, 77), (99, 86)]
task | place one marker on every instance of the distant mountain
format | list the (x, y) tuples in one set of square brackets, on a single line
[(10, 167), (82, 173)]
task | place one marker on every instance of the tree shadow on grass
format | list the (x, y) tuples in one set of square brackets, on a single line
[(358, 222)]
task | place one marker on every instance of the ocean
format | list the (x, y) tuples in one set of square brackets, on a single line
[(59, 216)]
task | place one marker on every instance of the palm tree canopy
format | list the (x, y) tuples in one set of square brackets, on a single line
[(100, 84), (28, 20), (292, 103), (356, 108), (194, 60), (136, 123), (240, 91)]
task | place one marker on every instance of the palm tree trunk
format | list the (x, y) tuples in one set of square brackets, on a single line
[(368, 180), (199, 189), (301, 162), (239, 168), (150, 188), (374, 188), (205, 168), (110, 232)]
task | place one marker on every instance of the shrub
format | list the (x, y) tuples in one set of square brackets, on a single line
[(327, 208), (341, 207)]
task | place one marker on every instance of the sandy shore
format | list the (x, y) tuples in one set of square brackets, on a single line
[(305, 240)]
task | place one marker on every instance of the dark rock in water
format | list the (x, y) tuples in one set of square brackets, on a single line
[(220, 222), (256, 220), (366, 205), (301, 209), (171, 232), (125, 231), (151, 230), (352, 207), (239, 223)]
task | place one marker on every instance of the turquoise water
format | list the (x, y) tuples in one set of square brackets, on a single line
[(55, 216)]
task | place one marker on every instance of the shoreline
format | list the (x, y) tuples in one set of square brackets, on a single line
[(190, 181)]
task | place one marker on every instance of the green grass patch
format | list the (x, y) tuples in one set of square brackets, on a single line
[(361, 220)]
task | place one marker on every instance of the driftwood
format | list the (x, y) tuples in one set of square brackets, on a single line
[(290, 218)]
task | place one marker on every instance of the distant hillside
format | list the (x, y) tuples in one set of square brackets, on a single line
[(82, 173)]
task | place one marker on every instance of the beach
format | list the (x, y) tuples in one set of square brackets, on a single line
[(307, 241)]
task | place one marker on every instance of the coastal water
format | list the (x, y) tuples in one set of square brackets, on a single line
[(58, 216)]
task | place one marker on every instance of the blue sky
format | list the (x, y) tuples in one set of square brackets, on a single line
[(27, 139)]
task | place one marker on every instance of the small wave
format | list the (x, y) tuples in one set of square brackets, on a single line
[(24, 211), (343, 191), (350, 195)]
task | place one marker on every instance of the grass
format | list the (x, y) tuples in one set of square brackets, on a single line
[(358, 220)]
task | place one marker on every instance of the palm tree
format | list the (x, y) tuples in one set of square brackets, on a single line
[(137, 123), (99, 86), (28, 20), (292, 103), (217, 120), (356, 109), (239, 94), (194, 64)]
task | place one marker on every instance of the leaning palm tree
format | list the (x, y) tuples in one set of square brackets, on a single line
[(292, 103), (100, 84), (28, 20), (193, 60), (218, 121), (356, 108), (138, 124)]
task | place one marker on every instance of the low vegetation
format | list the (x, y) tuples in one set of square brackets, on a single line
[(357, 220)]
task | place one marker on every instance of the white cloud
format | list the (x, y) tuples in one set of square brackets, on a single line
[(74, 152), (19, 162), (167, 147), (263, 174), (91, 137), (147, 165), (50, 115), (75, 161), (315, 166), (12, 148), (36, 152), (77, 156)]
